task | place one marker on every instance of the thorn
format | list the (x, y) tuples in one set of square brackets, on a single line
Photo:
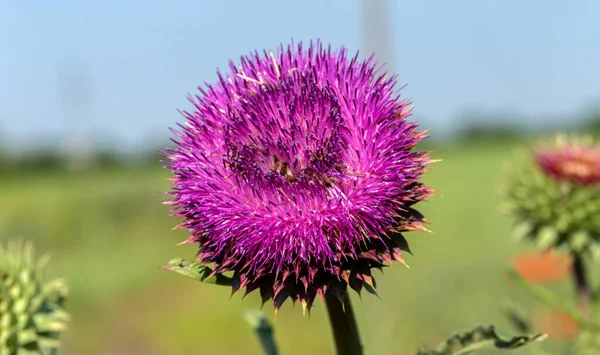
[(398, 257), (246, 293), (386, 257), (369, 281), (187, 241), (401, 261), (275, 65), (321, 295), (304, 306), (346, 276), (179, 226), (249, 79)]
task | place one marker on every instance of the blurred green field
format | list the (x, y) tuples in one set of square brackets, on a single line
[(108, 233)]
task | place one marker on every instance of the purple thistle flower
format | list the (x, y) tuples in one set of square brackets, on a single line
[(296, 172)]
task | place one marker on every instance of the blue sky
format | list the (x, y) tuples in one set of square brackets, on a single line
[(118, 70)]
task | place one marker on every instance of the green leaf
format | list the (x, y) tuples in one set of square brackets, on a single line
[(480, 338), (264, 331), (197, 272)]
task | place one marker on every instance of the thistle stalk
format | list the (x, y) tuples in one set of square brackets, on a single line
[(582, 287), (343, 325)]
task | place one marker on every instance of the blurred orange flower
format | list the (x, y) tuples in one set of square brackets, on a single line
[(558, 325), (542, 267)]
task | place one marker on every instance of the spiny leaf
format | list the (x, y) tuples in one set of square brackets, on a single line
[(264, 331), (197, 272), (480, 338)]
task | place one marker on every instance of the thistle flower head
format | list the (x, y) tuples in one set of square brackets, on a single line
[(556, 198), (296, 172), (575, 161)]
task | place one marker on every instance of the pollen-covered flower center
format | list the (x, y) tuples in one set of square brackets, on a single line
[(289, 131)]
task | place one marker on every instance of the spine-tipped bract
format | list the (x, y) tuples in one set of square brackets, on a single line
[(31, 309)]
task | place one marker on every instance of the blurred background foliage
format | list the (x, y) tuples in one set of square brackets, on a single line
[(109, 233)]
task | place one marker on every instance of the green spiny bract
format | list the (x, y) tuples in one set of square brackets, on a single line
[(31, 309), (555, 199)]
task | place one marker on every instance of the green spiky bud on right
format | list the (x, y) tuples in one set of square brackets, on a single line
[(555, 197), (31, 309)]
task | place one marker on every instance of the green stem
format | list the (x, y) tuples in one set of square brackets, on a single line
[(343, 325), (582, 286)]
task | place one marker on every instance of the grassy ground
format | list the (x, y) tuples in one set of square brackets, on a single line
[(109, 233)]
